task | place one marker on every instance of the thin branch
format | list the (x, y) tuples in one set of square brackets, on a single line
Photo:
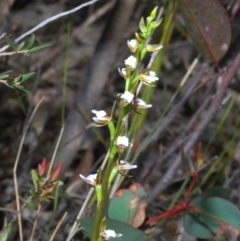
[(55, 151), (15, 170), (57, 227), (35, 222), (13, 52), (49, 20)]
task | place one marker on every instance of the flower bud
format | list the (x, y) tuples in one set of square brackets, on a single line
[(153, 47), (133, 45)]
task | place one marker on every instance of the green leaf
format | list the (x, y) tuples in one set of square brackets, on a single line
[(212, 192), (31, 42), (10, 43), (128, 205), (6, 232), (35, 178), (20, 46), (4, 76), (200, 226), (128, 232), (221, 210), (24, 77), (32, 193), (38, 48), (21, 88)]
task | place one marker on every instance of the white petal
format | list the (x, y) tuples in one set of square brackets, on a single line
[(127, 96), (122, 141), (133, 42), (131, 61), (139, 103), (107, 234), (90, 179), (126, 165)]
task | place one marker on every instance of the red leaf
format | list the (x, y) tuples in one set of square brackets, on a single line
[(42, 167), (56, 173)]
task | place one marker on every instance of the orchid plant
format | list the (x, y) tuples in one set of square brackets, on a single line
[(133, 76)]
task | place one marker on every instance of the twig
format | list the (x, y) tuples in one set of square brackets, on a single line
[(49, 20), (35, 222), (55, 151), (57, 227), (15, 170), (226, 78), (13, 52)]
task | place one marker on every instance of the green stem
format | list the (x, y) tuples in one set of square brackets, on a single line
[(101, 205)]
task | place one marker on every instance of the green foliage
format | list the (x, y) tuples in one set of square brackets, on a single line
[(6, 232), (128, 205), (213, 209), (15, 83), (129, 233)]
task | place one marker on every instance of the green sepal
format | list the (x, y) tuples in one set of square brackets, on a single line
[(98, 189), (142, 25), (153, 14), (112, 174)]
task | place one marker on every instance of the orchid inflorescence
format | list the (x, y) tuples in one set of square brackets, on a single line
[(133, 76)]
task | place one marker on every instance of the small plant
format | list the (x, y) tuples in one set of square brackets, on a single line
[(15, 83), (45, 183)]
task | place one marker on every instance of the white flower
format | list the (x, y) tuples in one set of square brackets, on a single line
[(139, 103), (122, 142), (123, 165), (149, 78), (127, 97), (133, 45), (131, 62), (90, 179), (101, 117), (122, 72), (108, 234)]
